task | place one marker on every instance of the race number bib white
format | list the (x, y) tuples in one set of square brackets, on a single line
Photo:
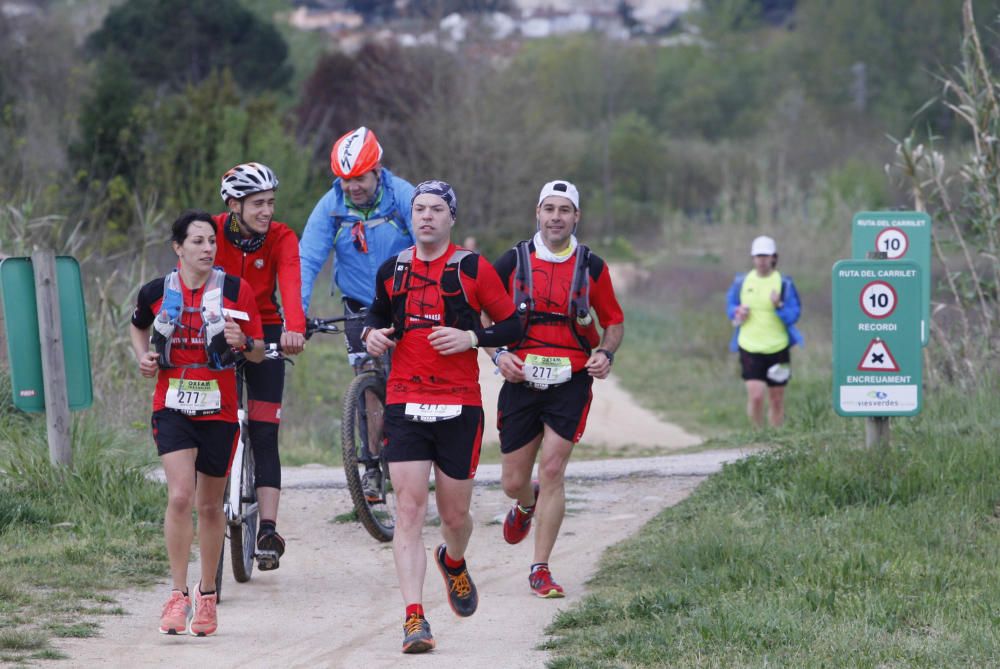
[(542, 371), (431, 413), (194, 397)]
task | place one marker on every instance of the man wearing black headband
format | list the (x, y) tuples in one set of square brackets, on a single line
[(428, 305)]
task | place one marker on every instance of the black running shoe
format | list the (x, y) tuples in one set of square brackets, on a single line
[(417, 635), (462, 593), (371, 484), (270, 547)]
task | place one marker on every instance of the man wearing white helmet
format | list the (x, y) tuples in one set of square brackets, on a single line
[(763, 306), (265, 254), (543, 405), (364, 219)]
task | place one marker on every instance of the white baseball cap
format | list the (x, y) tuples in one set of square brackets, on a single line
[(763, 246), (562, 189)]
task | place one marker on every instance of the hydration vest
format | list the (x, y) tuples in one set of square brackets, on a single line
[(577, 316), (457, 311), (219, 354)]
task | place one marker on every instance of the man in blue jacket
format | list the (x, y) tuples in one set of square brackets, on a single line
[(365, 220), (763, 306)]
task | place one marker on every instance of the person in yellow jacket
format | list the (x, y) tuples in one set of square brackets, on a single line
[(763, 306)]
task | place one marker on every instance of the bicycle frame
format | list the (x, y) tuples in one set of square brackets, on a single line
[(232, 504)]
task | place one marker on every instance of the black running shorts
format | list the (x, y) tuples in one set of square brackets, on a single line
[(214, 439), (453, 445), (755, 365), (522, 411)]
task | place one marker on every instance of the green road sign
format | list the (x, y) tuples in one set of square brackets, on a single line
[(877, 361), (901, 235), (17, 281)]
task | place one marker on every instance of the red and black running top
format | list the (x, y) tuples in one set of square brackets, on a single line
[(419, 373), (188, 343), (552, 283)]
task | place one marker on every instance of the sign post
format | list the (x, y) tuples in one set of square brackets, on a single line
[(877, 362)]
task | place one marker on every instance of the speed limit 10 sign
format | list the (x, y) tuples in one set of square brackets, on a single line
[(877, 362), (897, 235), (878, 299)]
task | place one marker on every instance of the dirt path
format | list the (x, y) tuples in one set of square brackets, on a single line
[(334, 601)]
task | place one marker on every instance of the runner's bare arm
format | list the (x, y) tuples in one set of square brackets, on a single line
[(599, 365), (252, 349), (140, 346)]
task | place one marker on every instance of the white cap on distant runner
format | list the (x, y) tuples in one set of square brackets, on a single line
[(562, 189), (763, 246)]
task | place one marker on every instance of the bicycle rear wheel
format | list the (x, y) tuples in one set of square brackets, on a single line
[(364, 422), (218, 574), (243, 534)]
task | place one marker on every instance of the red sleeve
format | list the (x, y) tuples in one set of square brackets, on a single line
[(246, 301), (491, 294), (290, 280), (602, 298)]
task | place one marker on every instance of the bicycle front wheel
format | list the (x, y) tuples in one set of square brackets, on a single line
[(243, 535), (218, 574), (364, 423)]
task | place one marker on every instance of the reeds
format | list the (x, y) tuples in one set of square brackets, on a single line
[(964, 203)]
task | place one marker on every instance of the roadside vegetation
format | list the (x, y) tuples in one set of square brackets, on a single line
[(818, 553)]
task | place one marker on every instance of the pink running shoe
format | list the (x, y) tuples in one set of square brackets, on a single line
[(205, 620), (176, 614)]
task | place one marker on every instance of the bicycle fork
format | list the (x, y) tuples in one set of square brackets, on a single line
[(235, 513)]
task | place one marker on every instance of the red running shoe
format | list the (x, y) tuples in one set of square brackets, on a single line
[(542, 584), (517, 523)]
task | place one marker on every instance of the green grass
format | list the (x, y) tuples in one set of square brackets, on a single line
[(818, 553), (71, 536)]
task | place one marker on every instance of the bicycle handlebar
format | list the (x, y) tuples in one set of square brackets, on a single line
[(331, 325), (272, 350)]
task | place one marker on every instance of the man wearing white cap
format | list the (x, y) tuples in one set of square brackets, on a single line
[(554, 281), (763, 306)]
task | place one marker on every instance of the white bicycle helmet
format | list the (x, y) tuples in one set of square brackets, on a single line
[(247, 179)]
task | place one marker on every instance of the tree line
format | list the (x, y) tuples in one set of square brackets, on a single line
[(174, 95)]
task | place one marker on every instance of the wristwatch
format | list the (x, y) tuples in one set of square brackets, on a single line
[(608, 354), (248, 344), (365, 332)]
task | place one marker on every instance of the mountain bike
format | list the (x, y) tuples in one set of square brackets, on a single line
[(240, 502), (363, 424)]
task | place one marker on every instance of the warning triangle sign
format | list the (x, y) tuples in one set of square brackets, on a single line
[(877, 358)]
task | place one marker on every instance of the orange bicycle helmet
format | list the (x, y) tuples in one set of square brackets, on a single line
[(355, 153)]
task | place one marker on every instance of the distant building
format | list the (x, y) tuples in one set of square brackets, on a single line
[(536, 19)]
